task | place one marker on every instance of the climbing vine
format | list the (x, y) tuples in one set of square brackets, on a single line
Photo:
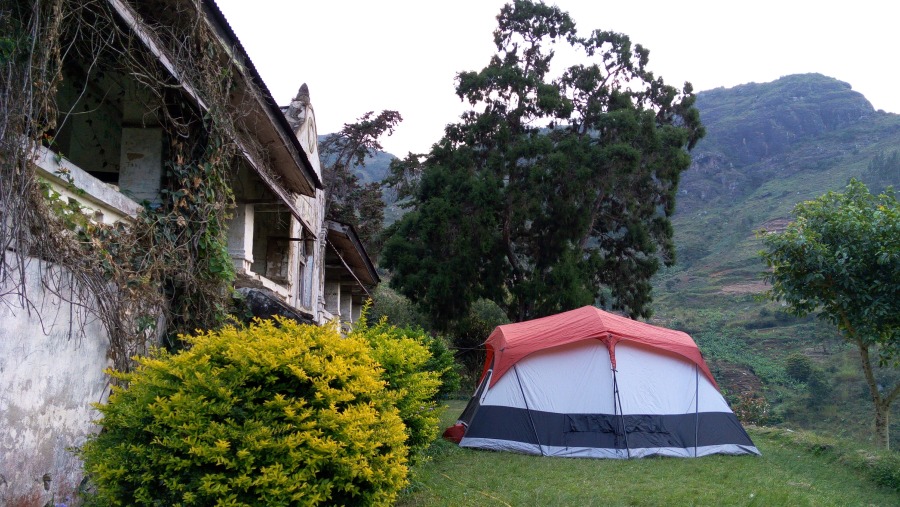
[(167, 271)]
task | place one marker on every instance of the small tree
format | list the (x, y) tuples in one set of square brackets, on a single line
[(841, 258), (347, 199)]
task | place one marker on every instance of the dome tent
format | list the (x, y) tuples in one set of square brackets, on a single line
[(588, 383)]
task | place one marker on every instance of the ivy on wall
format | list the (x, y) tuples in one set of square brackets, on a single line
[(167, 272)]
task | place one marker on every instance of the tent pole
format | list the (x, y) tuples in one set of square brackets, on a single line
[(621, 413), (528, 411), (696, 407)]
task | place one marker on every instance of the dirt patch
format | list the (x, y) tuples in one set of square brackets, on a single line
[(775, 225), (745, 288)]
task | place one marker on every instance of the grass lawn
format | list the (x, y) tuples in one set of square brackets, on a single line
[(785, 474)]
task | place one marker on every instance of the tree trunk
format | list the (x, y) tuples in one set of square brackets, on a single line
[(882, 404), (883, 425)]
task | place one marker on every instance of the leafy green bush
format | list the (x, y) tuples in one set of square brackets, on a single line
[(274, 414), (398, 309), (798, 367), (413, 374), (443, 361), (470, 332), (819, 386)]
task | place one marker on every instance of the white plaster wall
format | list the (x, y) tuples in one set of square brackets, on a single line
[(52, 358), (346, 304), (333, 298)]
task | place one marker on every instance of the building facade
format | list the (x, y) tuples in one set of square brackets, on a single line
[(111, 153)]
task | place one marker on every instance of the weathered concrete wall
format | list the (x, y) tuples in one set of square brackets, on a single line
[(140, 164), (333, 298), (313, 294), (52, 357), (346, 306)]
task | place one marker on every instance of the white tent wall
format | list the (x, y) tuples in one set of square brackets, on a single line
[(659, 382), (571, 379), (561, 402)]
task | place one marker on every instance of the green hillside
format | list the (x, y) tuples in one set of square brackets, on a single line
[(770, 146)]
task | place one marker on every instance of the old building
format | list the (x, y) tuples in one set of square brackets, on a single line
[(112, 152)]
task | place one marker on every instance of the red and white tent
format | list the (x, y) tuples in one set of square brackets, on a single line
[(588, 383)]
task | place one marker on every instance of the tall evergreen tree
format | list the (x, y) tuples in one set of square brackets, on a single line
[(552, 192)]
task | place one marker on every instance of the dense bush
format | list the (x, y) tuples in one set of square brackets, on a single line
[(465, 335), (442, 361), (470, 332), (274, 414), (819, 389), (413, 373), (798, 367), (397, 308)]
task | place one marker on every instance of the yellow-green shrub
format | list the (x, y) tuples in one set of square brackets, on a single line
[(412, 375), (274, 414)]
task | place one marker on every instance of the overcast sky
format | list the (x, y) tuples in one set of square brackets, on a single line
[(358, 56)]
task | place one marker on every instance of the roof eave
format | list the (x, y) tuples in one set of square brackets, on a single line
[(288, 143), (368, 273)]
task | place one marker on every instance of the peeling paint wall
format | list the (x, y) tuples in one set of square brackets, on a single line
[(311, 295), (52, 357)]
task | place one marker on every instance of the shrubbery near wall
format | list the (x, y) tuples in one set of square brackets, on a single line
[(414, 374), (274, 414)]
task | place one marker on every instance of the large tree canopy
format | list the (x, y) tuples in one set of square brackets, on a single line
[(556, 189), (841, 258)]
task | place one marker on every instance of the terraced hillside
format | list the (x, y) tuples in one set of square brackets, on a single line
[(768, 147)]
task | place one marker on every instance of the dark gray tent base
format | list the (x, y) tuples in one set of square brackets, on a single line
[(606, 436)]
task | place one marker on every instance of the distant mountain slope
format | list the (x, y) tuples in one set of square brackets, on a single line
[(768, 147), (760, 132), (755, 121)]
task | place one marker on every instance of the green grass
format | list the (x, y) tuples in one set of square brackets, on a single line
[(788, 473)]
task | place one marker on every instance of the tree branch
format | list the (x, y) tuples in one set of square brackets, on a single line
[(892, 395)]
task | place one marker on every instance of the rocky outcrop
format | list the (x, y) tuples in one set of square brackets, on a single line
[(758, 132), (754, 121), (265, 304)]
